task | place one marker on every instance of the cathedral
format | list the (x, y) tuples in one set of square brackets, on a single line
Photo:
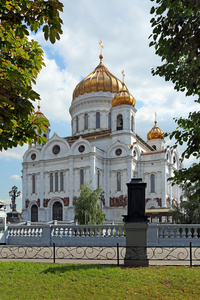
[(104, 151)]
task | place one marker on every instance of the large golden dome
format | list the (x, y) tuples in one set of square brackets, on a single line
[(123, 97), (155, 133), (99, 80)]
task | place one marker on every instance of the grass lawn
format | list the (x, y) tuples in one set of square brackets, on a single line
[(29, 280)]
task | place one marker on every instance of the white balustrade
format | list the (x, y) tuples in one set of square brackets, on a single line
[(100, 235)]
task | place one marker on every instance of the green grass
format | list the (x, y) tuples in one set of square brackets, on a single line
[(28, 280)]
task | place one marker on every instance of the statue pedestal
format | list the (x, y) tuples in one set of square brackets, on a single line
[(136, 245), (14, 217)]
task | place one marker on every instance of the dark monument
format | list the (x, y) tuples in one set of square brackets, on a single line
[(14, 216), (136, 224), (136, 201)]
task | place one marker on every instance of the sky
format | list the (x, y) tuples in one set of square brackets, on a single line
[(124, 28)]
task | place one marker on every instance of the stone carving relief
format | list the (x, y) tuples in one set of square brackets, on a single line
[(27, 203), (65, 201), (45, 202), (118, 201)]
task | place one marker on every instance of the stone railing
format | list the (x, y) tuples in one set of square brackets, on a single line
[(99, 235), (63, 234), (85, 235)]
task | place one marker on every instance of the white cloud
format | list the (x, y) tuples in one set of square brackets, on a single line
[(14, 153), (15, 177)]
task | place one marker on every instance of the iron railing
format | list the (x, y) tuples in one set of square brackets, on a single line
[(165, 255)]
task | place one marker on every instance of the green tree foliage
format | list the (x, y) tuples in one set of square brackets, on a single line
[(176, 38), (21, 59), (86, 207), (189, 210)]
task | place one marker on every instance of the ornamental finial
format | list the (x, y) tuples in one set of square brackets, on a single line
[(155, 117), (101, 47), (39, 104), (123, 75)]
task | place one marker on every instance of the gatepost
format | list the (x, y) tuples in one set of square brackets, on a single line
[(136, 224)]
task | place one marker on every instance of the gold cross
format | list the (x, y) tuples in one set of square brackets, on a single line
[(123, 75), (155, 116), (101, 47), (39, 104)]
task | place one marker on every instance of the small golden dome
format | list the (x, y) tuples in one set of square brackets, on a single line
[(123, 97), (155, 133), (39, 115), (99, 80)]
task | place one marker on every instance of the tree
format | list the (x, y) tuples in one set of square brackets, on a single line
[(86, 207), (189, 210), (21, 60), (176, 38)]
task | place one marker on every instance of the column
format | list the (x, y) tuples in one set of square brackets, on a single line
[(108, 182), (129, 169), (71, 181), (42, 188), (163, 183), (92, 170)]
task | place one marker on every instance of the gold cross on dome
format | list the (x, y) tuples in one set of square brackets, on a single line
[(155, 117), (39, 104), (101, 47), (123, 75)]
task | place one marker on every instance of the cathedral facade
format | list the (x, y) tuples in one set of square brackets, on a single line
[(104, 150)]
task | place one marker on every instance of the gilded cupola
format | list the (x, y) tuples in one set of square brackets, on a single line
[(123, 96), (39, 114), (99, 80), (155, 132)]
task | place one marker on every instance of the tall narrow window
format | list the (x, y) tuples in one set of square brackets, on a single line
[(57, 211), (77, 124), (51, 182), (56, 182), (119, 122), (81, 177), (33, 184), (86, 121), (132, 123), (118, 181), (34, 213), (98, 179), (61, 181), (109, 120), (97, 120), (152, 183)]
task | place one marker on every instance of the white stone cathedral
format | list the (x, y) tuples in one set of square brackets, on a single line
[(104, 150)]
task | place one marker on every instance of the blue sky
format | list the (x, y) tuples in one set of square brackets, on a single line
[(124, 28)]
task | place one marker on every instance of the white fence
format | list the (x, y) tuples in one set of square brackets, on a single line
[(99, 235)]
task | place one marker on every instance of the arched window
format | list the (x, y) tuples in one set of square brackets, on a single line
[(118, 181), (56, 182), (34, 213), (33, 184), (132, 123), (51, 182), (86, 121), (119, 122), (57, 211), (154, 147), (152, 183), (77, 124), (109, 120), (97, 120), (81, 177), (61, 181)]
